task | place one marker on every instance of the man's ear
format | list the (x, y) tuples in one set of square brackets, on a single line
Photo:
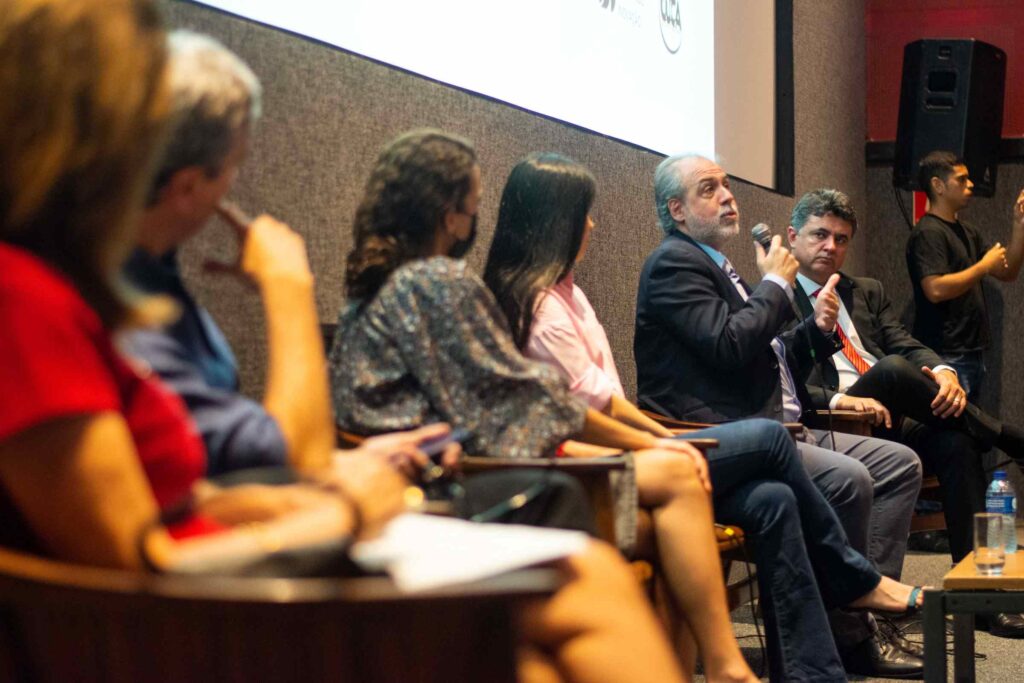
[(938, 185), (675, 209), (180, 192), (791, 233)]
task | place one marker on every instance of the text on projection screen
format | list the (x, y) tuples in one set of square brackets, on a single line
[(641, 71)]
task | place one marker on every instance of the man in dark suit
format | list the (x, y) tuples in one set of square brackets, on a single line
[(707, 349), (914, 398)]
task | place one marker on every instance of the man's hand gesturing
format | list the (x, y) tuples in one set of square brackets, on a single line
[(826, 306)]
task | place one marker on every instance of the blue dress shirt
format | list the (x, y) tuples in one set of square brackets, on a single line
[(194, 359)]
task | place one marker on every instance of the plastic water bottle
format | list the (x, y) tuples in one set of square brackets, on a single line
[(1001, 498)]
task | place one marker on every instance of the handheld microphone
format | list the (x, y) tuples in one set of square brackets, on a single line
[(762, 234)]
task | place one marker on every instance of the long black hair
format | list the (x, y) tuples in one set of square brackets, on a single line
[(417, 178), (541, 221)]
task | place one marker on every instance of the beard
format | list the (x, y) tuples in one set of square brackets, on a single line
[(462, 247), (712, 233)]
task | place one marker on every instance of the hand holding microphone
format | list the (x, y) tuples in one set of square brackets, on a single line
[(772, 257)]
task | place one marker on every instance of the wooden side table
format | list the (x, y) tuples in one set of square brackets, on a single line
[(964, 594)]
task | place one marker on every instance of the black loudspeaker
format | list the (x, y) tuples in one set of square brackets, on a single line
[(951, 99)]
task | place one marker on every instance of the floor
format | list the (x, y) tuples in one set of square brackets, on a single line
[(999, 659)]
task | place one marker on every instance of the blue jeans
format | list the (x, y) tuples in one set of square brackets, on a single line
[(970, 370), (804, 560)]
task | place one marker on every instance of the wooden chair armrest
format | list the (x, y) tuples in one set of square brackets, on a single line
[(579, 449), (586, 451), (20, 572), (474, 463), (672, 423), (850, 415), (846, 421), (346, 440), (70, 622), (795, 428), (703, 445)]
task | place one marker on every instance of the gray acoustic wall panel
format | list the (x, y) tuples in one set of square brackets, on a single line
[(328, 112)]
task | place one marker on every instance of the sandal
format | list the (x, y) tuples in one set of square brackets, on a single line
[(912, 606), (911, 609)]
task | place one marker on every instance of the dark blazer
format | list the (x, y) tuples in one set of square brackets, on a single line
[(704, 354), (877, 325)]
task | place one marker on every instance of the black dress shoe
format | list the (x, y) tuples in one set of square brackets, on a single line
[(892, 631), (1002, 625), (879, 657), (929, 542)]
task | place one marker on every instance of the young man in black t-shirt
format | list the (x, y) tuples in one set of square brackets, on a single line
[(947, 260)]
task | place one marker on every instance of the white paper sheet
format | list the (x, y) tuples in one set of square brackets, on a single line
[(421, 552)]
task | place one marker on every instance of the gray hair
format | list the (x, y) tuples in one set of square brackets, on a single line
[(821, 202), (668, 184), (216, 97)]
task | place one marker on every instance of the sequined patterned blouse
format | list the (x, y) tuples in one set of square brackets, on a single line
[(434, 346)]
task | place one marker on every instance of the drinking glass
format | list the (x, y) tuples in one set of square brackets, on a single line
[(989, 543)]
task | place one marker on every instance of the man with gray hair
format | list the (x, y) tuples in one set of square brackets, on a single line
[(711, 349), (216, 101), (882, 368)]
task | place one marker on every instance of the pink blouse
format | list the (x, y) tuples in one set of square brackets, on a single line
[(567, 334)]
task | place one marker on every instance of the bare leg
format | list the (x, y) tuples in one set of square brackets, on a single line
[(599, 627), (684, 524), (889, 596), (679, 631), (686, 646)]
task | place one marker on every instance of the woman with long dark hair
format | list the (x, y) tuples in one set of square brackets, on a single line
[(543, 230)]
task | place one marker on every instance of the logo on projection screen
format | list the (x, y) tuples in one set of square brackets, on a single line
[(607, 4), (671, 25)]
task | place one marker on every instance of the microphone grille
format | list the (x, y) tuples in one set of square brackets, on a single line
[(762, 234)]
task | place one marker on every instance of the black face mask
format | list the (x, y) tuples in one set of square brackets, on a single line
[(461, 248)]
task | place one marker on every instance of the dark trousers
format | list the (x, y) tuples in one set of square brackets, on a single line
[(951, 447), (970, 369), (804, 561)]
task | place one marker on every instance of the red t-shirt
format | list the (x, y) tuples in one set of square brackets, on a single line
[(57, 360)]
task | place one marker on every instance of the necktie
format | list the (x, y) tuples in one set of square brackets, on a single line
[(848, 349), (735, 278), (790, 401)]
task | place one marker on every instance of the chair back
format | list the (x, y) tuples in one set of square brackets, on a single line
[(61, 622)]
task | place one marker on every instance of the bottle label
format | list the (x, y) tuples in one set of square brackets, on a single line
[(1006, 505)]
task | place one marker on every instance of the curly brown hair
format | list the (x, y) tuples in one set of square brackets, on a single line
[(417, 178)]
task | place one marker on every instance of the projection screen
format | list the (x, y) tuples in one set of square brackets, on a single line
[(665, 75)]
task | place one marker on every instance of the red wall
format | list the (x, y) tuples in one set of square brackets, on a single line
[(891, 24)]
